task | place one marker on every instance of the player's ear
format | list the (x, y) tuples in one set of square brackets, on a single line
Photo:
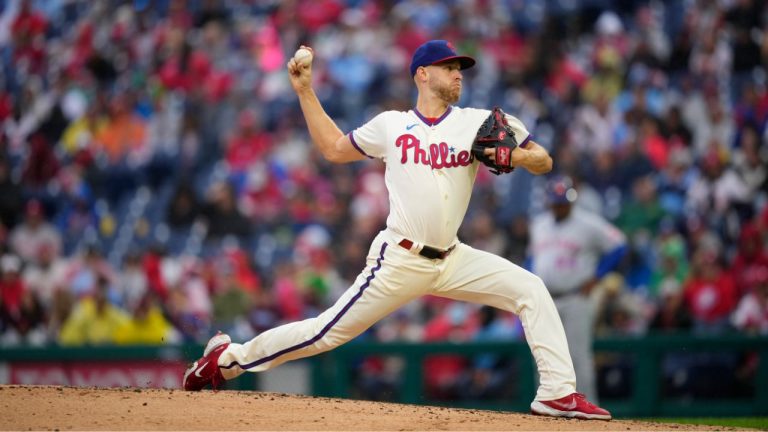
[(421, 74)]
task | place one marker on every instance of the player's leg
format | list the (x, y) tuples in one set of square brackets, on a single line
[(576, 313), (480, 277), (387, 282)]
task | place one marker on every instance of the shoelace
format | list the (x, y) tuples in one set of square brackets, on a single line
[(584, 398)]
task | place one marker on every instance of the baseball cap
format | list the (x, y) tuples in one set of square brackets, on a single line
[(437, 51), (560, 190)]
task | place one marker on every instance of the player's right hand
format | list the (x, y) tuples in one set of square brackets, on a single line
[(300, 75)]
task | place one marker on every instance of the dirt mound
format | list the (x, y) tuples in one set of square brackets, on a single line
[(68, 408)]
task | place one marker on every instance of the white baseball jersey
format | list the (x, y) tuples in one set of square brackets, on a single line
[(430, 168), (430, 173), (565, 254)]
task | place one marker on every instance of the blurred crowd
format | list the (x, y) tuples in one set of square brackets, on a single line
[(157, 182)]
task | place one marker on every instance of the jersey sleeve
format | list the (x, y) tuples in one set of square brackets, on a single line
[(521, 133), (606, 236), (370, 138)]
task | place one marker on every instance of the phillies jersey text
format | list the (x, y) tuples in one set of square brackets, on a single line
[(430, 168)]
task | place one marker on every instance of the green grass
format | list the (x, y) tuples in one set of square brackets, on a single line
[(740, 422)]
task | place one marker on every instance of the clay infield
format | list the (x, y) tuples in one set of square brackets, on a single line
[(69, 408)]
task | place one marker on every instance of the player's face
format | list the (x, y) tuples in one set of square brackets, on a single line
[(561, 210), (445, 81)]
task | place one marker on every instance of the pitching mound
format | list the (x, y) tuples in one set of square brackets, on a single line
[(68, 408)]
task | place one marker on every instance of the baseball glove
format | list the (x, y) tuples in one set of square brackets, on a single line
[(495, 133)]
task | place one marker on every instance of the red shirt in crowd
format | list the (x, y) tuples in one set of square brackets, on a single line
[(711, 299)]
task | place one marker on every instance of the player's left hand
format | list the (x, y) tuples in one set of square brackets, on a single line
[(495, 142), (521, 157)]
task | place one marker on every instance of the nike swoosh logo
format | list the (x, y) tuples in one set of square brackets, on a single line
[(197, 372), (567, 407), (409, 127)]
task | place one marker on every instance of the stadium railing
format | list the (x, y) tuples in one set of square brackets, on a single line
[(336, 373)]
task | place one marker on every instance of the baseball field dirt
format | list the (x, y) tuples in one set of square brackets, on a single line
[(69, 408)]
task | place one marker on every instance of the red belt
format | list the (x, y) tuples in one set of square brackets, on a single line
[(427, 251)]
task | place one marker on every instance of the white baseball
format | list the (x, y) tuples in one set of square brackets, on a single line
[(303, 56)]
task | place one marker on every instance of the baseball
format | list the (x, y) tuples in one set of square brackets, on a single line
[(303, 56)]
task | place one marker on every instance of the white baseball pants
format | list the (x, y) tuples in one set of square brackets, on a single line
[(394, 276)]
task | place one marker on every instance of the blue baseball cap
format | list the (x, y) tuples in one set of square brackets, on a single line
[(438, 51), (560, 190)]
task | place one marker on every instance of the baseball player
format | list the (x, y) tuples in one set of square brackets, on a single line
[(571, 249), (430, 171)]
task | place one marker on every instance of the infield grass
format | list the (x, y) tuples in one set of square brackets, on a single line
[(760, 423)]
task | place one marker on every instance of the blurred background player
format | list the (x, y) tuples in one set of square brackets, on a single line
[(571, 250)]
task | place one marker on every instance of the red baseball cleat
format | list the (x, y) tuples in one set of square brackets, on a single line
[(206, 369), (575, 405)]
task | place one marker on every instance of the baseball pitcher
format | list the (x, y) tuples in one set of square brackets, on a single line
[(432, 155)]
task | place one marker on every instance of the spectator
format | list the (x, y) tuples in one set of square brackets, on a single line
[(751, 260), (34, 233), (672, 315), (675, 180), (11, 285), (653, 143), (264, 315), (671, 270), (751, 314), (320, 282), (28, 323), (189, 303), (716, 130), (78, 138), (41, 165), (288, 299), (718, 189), (85, 272), (46, 275), (152, 263), (132, 285), (595, 124), (750, 161), (146, 326), (183, 209), (634, 163), (710, 293), (230, 305), (642, 213), (123, 133), (517, 239), (483, 234), (711, 57), (750, 111), (58, 314), (453, 322), (248, 144), (28, 32), (489, 375), (11, 204), (223, 216), (677, 134), (619, 312), (94, 320)]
